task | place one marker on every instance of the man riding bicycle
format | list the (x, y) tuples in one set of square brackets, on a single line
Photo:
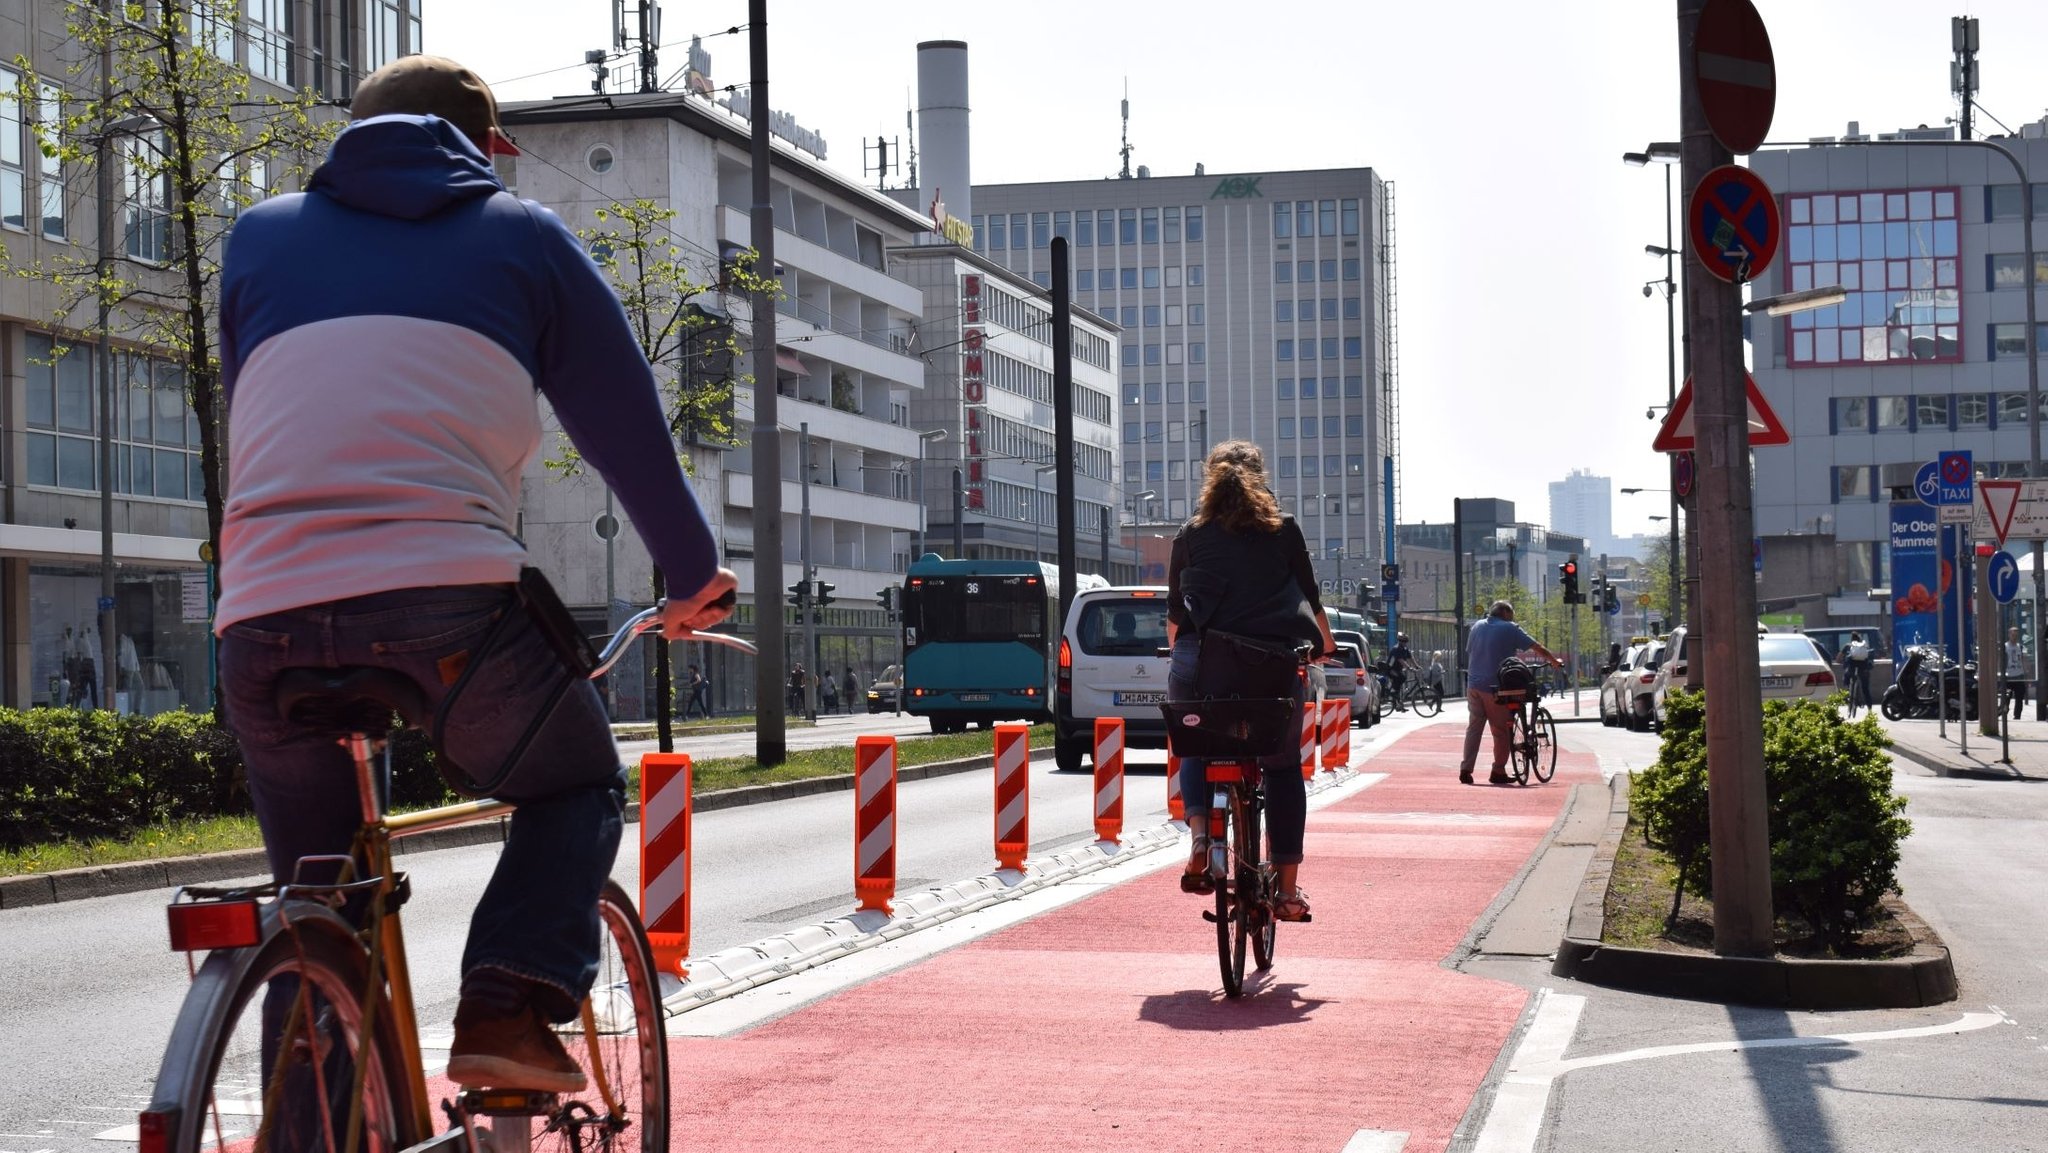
[(1399, 660), (384, 338)]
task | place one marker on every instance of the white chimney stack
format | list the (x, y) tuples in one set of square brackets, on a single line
[(942, 144)]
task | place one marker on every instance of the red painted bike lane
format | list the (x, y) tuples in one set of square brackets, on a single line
[(1101, 1025)]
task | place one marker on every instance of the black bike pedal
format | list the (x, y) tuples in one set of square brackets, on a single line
[(1209, 915), (507, 1103)]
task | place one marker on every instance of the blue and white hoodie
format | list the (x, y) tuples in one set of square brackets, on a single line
[(382, 338)]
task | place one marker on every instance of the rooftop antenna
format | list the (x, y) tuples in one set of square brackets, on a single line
[(650, 38), (910, 131), (595, 58), (1126, 149), (883, 164), (1962, 71)]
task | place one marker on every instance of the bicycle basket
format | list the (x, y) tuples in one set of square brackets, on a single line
[(1519, 682), (1233, 727)]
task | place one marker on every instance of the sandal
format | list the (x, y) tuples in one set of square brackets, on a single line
[(1198, 881), (1292, 907)]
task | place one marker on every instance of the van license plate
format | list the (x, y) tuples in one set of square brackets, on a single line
[(974, 696), (1140, 698), (1777, 682)]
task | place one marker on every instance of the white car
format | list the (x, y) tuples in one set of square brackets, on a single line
[(1109, 666), (1789, 667), (1345, 677), (1614, 695)]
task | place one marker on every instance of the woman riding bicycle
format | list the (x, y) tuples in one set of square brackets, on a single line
[(1241, 598)]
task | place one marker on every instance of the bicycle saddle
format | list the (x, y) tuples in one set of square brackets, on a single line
[(350, 699)]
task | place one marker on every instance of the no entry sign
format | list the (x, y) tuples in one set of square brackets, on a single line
[(1735, 73), (1732, 223)]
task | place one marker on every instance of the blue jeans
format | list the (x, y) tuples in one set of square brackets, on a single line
[(538, 916), (1286, 792)]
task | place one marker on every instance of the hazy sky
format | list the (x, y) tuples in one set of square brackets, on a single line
[(1527, 348)]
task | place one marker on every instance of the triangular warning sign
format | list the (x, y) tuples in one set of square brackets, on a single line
[(1676, 435), (2000, 498)]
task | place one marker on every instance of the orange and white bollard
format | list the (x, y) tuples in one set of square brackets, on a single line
[(1013, 796), (1343, 760), (874, 823), (1309, 739), (1109, 778), (1336, 718), (665, 813), (1175, 809)]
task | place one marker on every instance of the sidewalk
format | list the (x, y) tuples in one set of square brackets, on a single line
[(1099, 1025), (1921, 742)]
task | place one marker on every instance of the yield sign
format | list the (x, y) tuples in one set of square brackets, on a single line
[(1676, 435), (2000, 498)]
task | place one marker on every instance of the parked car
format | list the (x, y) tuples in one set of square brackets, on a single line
[(1614, 695), (1110, 666), (1346, 678), (1641, 697), (882, 690), (1790, 666)]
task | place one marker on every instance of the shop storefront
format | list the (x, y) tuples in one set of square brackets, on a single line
[(161, 649)]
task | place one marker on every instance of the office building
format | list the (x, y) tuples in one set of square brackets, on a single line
[(1253, 305), (1928, 353), (50, 541), (1583, 504)]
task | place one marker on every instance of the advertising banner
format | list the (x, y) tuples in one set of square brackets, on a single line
[(1924, 572)]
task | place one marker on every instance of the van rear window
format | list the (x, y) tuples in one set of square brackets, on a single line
[(1122, 628)]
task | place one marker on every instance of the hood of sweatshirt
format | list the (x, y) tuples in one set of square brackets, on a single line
[(409, 167)]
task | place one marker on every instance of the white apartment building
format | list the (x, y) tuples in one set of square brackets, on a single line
[(1583, 504), (51, 421), (844, 366)]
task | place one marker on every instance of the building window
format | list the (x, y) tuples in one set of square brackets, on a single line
[(1195, 314), (1330, 273), (1176, 431), (13, 176), (1284, 388), (1930, 412), (1130, 356), (1304, 218), (1309, 466), (1305, 272), (1329, 307), (1973, 410), (1128, 277), (146, 204), (1326, 218), (1283, 350), (1350, 218), (1896, 253), (1128, 316), (1894, 413), (1351, 308), (1194, 274), (1308, 388), (2010, 340), (1127, 226), (1198, 390), (1351, 268), (1286, 428), (1151, 316), (2003, 202), (2012, 409), (1283, 272), (1287, 470), (998, 240), (1084, 229), (1018, 236), (1309, 427), (1194, 224), (1173, 276), (1197, 354), (1132, 432), (1105, 228), (1283, 221), (1329, 348), (50, 114), (1131, 392), (1152, 354), (1354, 386), (272, 24), (1852, 413), (1063, 225), (1354, 426), (1151, 276), (1172, 315), (156, 449), (1041, 229), (1854, 483), (384, 43), (1149, 225), (2006, 269), (979, 225)]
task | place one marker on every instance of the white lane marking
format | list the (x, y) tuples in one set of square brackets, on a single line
[(1514, 1124), (1376, 1141)]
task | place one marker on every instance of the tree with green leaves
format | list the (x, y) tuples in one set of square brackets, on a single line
[(688, 336), (156, 89)]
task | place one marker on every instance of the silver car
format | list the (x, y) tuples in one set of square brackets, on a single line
[(1345, 677)]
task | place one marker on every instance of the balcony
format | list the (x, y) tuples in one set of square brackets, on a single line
[(796, 252)]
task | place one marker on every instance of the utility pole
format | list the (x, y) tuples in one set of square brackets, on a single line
[(771, 739), (809, 570), (1725, 651), (103, 175), (1458, 582), (1063, 421)]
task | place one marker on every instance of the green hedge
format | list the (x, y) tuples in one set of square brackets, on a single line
[(69, 775), (1836, 825)]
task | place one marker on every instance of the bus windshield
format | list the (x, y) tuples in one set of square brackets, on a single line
[(978, 608)]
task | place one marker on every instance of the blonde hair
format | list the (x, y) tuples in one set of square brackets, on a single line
[(1234, 492)]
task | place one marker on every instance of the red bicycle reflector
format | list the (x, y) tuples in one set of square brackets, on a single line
[(1216, 772), (153, 1130), (207, 925)]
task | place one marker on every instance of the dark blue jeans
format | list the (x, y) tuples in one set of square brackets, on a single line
[(538, 916), (1286, 793)]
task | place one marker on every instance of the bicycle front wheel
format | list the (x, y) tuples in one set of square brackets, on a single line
[(1429, 702), (1545, 731), (619, 1039), (265, 1048)]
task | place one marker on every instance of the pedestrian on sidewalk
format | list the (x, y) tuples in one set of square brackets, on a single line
[(2015, 671), (1495, 638), (829, 689)]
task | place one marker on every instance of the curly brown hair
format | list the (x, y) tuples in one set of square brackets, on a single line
[(1234, 492)]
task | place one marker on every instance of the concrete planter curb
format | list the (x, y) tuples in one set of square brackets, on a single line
[(139, 876), (1927, 977)]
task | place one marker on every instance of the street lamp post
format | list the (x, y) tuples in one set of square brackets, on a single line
[(1037, 492), (1666, 154), (929, 436)]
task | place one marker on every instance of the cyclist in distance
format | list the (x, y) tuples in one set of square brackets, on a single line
[(1399, 661), (1493, 640), (385, 336), (1240, 587)]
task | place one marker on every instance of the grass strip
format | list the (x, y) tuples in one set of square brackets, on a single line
[(220, 834)]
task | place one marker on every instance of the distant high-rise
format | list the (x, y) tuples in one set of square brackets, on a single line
[(1583, 504)]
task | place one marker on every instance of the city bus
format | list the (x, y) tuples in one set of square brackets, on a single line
[(980, 640)]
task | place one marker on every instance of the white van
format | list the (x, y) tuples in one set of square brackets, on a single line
[(1109, 666)]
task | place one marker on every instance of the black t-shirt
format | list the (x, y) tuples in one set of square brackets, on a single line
[(1253, 571)]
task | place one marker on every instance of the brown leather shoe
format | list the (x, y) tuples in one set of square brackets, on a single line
[(503, 1042)]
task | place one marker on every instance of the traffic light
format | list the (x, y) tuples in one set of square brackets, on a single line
[(1568, 579), (797, 593), (825, 593), (887, 599), (1613, 602)]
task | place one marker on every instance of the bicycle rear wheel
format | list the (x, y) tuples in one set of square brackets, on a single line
[(1545, 731), (1231, 938), (1523, 758), (1429, 702), (620, 1041), (265, 1047), (1255, 880)]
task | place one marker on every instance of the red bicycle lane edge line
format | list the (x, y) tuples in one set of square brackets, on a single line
[(1091, 1025)]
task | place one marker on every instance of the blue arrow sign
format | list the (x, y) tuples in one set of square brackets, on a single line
[(2004, 574)]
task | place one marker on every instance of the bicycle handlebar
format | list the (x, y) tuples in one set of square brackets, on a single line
[(649, 620)]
